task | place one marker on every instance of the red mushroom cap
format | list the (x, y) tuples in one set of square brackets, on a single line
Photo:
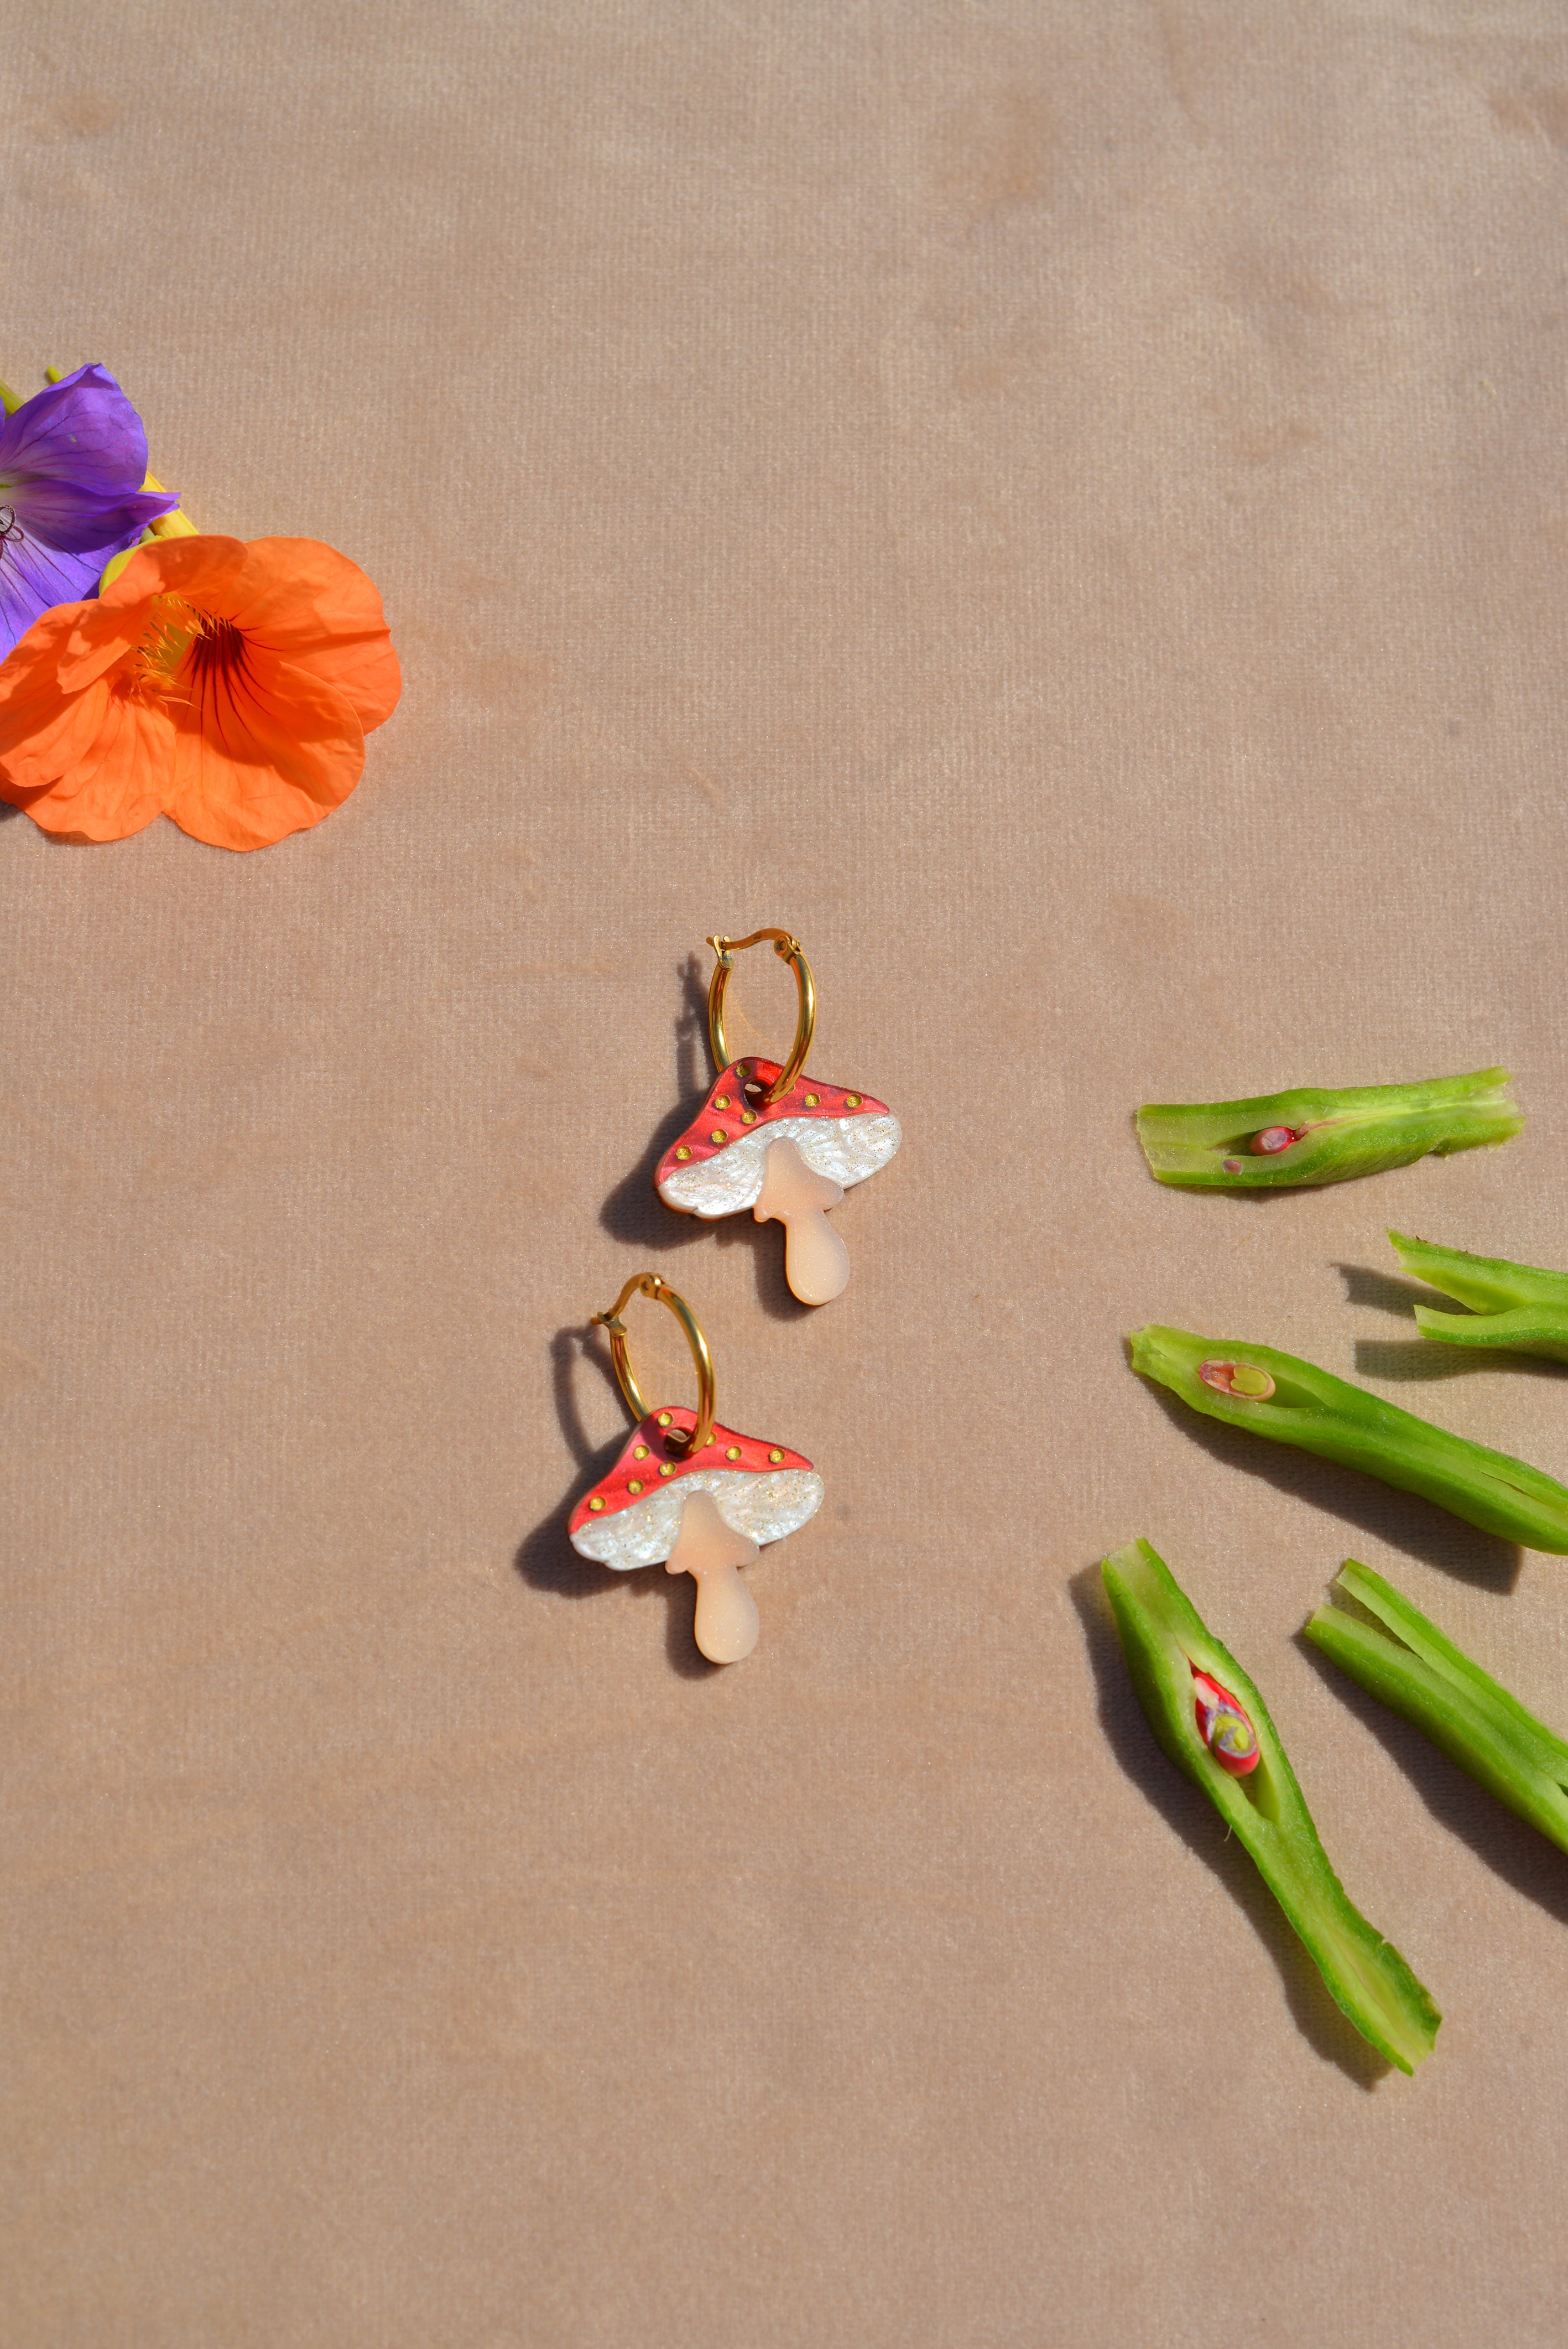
[(646, 1462), (734, 1108)]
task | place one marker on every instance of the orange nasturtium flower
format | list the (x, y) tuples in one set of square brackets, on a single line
[(229, 687)]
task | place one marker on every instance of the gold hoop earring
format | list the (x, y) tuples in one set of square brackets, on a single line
[(774, 1140), (686, 1493)]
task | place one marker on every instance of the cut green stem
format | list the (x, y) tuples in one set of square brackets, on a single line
[(1512, 1306), (1318, 1412), (1278, 1141), (1168, 1649), (1406, 1662)]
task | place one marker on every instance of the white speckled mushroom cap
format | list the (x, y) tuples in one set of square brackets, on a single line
[(717, 1167), (633, 1516)]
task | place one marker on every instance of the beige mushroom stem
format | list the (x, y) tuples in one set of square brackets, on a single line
[(705, 1547), (816, 1261)]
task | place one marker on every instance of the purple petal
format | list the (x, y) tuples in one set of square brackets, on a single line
[(82, 429), (83, 520), (34, 578)]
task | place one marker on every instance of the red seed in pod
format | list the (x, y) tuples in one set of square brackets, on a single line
[(1245, 1381), (1223, 1726), (1275, 1137)]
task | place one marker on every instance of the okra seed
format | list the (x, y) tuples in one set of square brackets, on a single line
[(1243, 1380), (1233, 1166), (1275, 1138), (1233, 1743), (1223, 1726)]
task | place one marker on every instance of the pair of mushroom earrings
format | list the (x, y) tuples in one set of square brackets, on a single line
[(697, 1498)]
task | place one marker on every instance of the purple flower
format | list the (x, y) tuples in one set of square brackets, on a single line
[(72, 462)]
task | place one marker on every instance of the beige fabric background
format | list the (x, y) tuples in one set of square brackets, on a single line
[(1065, 504)]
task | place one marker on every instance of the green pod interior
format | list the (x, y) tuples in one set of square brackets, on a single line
[(1318, 1412), (1163, 1636), (1358, 1130)]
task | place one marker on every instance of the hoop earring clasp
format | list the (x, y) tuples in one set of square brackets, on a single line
[(788, 949), (652, 1283)]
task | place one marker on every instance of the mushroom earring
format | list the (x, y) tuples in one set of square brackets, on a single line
[(783, 1144), (689, 1494)]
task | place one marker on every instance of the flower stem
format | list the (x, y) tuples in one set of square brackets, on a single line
[(169, 525)]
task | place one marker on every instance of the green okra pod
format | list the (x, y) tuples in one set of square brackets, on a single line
[(1187, 1683), (1293, 1401), (1406, 1662), (1276, 1142), (1514, 1306)]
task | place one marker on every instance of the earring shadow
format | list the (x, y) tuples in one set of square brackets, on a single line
[(634, 1211), (1182, 1806), (545, 1558), (1508, 1844), (1404, 1520)]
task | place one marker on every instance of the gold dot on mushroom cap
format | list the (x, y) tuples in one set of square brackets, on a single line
[(733, 1451), (595, 1503), (636, 1485), (666, 1470), (852, 1100), (814, 1101), (717, 1136), (664, 1419), (775, 1454), (748, 1117), (641, 1452), (682, 1151), (721, 1101)]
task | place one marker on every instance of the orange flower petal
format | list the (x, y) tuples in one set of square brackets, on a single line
[(193, 567), (304, 600), (97, 770), (90, 764), (243, 730), (63, 650), (294, 595), (262, 751), (96, 643)]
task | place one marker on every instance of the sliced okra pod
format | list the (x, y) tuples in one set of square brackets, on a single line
[(1515, 1305), (1275, 1142), (1406, 1663), (1293, 1401), (1209, 1719)]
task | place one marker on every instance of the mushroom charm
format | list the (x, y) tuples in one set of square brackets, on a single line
[(783, 1144), (699, 1498)]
